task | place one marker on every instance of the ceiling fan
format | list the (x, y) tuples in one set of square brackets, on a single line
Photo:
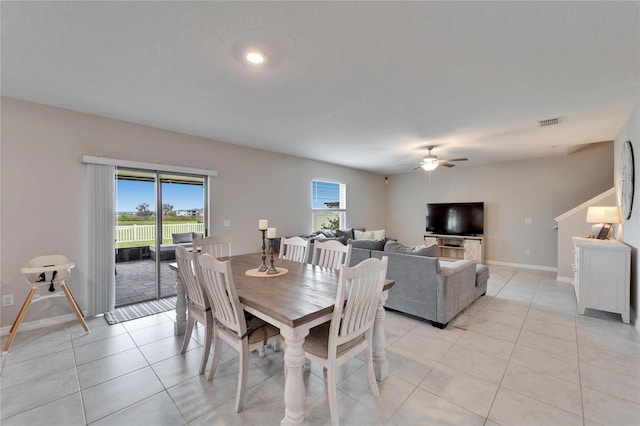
[(430, 162)]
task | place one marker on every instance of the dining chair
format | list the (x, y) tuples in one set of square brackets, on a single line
[(331, 254), (295, 249), (242, 332), (49, 270), (216, 246), (198, 307), (350, 330)]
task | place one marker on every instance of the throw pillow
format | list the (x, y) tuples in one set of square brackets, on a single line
[(367, 244), (345, 233), (379, 234), (197, 236), (429, 251), (363, 235)]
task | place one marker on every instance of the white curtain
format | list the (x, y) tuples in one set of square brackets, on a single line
[(101, 274)]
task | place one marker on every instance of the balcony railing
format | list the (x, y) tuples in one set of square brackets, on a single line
[(133, 233)]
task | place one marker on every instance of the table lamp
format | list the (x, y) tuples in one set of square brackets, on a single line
[(604, 215)]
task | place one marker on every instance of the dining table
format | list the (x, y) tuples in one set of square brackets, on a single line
[(294, 302)]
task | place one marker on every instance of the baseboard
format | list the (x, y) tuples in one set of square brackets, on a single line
[(523, 266), (568, 280), (46, 322)]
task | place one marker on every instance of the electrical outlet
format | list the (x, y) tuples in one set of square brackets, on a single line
[(527, 252), (226, 223), (7, 300), (528, 221)]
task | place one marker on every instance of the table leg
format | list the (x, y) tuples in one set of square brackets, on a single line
[(180, 326), (294, 385), (378, 342)]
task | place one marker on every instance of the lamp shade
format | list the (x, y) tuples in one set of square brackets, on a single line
[(429, 164), (603, 214)]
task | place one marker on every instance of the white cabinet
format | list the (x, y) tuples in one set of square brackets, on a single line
[(601, 275), (458, 247)]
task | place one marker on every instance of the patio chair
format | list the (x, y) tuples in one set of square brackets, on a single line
[(47, 271), (241, 331), (331, 254), (216, 246), (351, 327), (198, 308), (295, 249)]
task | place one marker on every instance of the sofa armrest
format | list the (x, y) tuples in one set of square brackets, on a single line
[(449, 268)]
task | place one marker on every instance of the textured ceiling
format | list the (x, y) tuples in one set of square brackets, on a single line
[(361, 84)]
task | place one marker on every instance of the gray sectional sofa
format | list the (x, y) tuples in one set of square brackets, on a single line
[(427, 287)]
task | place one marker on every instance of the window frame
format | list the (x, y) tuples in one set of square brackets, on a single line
[(341, 210)]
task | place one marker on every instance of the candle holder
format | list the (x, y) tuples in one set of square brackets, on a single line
[(264, 266), (271, 270)]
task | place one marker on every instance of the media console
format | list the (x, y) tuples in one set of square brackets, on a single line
[(456, 247)]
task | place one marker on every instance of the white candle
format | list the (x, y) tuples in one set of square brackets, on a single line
[(271, 232), (263, 224)]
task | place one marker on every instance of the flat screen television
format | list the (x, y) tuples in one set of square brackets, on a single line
[(455, 218)]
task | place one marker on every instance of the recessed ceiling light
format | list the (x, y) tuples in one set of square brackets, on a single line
[(255, 57)]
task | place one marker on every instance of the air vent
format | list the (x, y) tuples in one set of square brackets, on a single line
[(549, 122)]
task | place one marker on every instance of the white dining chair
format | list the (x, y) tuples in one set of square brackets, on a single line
[(295, 249), (242, 332), (350, 330), (331, 254), (50, 271), (216, 246), (198, 307)]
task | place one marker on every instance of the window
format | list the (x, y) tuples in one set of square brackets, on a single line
[(328, 205)]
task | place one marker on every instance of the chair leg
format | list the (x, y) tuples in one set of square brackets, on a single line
[(75, 307), (207, 344), (371, 375), (191, 322), (331, 395), (217, 350), (242, 374), (19, 318)]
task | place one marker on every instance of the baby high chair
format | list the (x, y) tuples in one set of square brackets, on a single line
[(50, 271)]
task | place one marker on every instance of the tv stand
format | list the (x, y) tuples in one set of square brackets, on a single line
[(456, 247)]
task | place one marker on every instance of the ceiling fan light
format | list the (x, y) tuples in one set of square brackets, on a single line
[(429, 165)]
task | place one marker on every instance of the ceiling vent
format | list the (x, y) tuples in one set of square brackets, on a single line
[(549, 122)]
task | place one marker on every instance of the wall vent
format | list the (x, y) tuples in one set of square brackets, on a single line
[(548, 122)]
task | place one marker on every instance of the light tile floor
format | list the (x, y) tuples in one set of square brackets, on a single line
[(526, 359)]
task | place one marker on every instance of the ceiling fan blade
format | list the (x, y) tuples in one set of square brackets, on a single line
[(445, 164), (457, 159)]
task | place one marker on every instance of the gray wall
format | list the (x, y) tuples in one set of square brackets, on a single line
[(540, 189), (43, 193)]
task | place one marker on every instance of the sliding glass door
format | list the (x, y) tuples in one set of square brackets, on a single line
[(155, 212)]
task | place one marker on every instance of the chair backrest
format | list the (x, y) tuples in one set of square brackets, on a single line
[(216, 246), (295, 249), (187, 268), (359, 291), (331, 254), (219, 285)]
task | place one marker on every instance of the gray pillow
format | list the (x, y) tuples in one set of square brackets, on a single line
[(346, 233), (185, 237), (367, 244), (197, 236)]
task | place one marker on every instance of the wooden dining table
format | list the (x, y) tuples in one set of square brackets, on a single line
[(295, 302)]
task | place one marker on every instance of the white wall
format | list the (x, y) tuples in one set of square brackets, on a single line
[(540, 189), (630, 229), (43, 193)]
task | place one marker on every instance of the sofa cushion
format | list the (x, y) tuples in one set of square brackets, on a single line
[(184, 237), (367, 244), (197, 235)]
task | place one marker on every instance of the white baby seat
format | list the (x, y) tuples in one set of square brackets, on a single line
[(49, 271)]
